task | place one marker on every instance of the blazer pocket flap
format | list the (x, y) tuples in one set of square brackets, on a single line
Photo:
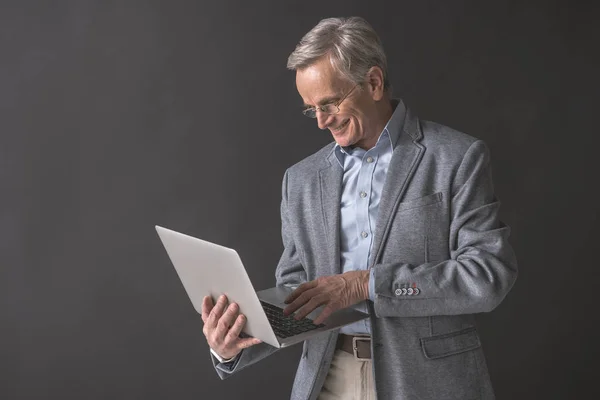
[(421, 201), (450, 343)]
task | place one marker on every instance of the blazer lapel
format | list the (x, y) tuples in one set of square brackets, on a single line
[(330, 181), (405, 160)]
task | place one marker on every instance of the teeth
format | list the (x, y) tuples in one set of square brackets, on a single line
[(342, 126)]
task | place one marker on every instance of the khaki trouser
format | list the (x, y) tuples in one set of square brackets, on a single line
[(348, 379)]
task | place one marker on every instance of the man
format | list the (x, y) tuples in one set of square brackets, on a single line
[(398, 218)]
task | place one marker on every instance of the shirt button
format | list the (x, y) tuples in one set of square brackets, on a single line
[(363, 194), (369, 159), (364, 234)]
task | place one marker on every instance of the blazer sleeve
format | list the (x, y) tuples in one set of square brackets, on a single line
[(289, 272), (482, 267)]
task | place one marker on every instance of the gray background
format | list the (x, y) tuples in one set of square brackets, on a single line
[(115, 116)]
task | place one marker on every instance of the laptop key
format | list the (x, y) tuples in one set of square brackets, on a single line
[(286, 326)]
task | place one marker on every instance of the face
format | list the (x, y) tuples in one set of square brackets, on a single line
[(356, 123)]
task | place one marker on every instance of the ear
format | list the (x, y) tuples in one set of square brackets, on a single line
[(375, 83)]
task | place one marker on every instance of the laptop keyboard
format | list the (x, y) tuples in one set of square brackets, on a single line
[(286, 326)]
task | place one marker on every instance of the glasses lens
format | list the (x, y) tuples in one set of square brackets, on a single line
[(326, 109), (310, 112), (330, 109)]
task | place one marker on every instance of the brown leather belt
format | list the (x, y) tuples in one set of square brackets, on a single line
[(360, 346)]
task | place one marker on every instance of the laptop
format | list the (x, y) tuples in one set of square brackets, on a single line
[(208, 269)]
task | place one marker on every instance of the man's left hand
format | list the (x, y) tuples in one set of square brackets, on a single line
[(335, 292)]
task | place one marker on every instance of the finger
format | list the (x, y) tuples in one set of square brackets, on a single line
[(299, 302), (227, 320), (303, 299), (299, 290), (310, 306), (236, 328), (207, 306), (247, 342), (217, 311), (327, 311)]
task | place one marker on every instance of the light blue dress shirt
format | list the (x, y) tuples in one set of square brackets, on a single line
[(362, 184)]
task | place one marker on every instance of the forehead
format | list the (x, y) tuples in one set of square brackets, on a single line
[(319, 83)]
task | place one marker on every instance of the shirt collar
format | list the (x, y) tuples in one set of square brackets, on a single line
[(390, 133)]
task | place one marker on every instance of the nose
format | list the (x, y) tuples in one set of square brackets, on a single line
[(323, 119)]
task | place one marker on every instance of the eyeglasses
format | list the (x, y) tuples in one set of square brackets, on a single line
[(331, 108)]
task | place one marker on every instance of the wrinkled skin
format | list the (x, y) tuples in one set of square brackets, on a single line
[(222, 327), (334, 292)]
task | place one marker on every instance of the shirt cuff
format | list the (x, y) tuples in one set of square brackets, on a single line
[(372, 284), (221, 360)]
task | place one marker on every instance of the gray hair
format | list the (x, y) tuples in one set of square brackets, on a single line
[(351, 44)]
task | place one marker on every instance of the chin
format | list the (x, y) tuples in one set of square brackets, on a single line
[(344, 142)]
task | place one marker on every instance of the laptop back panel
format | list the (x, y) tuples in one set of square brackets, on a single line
[(207, 269)]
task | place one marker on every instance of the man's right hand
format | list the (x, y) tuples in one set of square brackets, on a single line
[(222, 327)]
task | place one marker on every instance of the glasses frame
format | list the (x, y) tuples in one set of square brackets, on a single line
[(311, 112)]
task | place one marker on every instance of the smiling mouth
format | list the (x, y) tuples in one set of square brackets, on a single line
[(341, 127)]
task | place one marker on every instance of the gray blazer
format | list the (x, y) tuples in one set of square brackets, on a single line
[(437, 230)]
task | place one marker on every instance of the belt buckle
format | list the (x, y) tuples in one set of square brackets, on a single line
[(355, 339)]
